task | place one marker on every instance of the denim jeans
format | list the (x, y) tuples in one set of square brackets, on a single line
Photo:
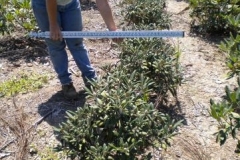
[(69, 19)]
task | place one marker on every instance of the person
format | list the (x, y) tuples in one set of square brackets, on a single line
[(65, 15)]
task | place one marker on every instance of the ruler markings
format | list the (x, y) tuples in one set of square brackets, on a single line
[(112, 34)]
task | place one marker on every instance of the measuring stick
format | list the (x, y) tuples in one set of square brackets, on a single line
[(112, 34)]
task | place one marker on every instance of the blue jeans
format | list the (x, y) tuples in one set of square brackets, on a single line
[(69, 19)]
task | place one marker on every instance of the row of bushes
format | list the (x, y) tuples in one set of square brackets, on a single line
[(223, 17), (122, 121)]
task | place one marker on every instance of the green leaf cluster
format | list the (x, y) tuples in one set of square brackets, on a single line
[(231, 46), (215, 16), (227, 115), (16, 15)]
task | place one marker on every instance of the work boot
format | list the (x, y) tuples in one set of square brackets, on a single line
[(69, 91)]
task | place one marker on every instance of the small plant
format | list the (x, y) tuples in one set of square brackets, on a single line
[(232, 47), (119, 123), (16, 15), (48, 153), (22, 84), (227, 115)]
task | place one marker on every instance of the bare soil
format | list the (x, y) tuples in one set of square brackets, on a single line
[(34, 114)]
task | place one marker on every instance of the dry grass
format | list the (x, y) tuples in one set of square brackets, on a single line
[(192, 149), (187, 148), (16, 132)]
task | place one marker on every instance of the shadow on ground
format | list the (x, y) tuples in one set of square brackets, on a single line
[(215, 38), (172, 108), (53, 111), (174, 111)]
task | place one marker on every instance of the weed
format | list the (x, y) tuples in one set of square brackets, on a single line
[(23, 83)]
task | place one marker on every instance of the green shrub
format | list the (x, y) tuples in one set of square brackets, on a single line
[(156, 60), (211, 16), (146, 12), (227, 114), (16, 15), (232, 48), (119, 123)]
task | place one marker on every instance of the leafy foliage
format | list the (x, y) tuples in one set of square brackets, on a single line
[(214, 16), (156, 59), (146, 12), (152, 57), (16, 15), (120, 123), (227, 115), (232, 47), (234, 23)]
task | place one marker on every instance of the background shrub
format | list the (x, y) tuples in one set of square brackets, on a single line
[(211, 16), (16, 15), (146, 12)]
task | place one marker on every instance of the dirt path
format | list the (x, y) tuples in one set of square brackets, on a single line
[(204, 79)]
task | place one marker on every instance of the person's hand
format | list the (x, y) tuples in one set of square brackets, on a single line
[(55, 33), (116, 40)]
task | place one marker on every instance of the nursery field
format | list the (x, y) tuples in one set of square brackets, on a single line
[(28, 119)]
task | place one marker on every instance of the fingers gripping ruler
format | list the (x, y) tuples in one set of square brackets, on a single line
[(112, 34)]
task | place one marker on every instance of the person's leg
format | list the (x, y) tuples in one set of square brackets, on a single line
[(72, 21), (56, 49)]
